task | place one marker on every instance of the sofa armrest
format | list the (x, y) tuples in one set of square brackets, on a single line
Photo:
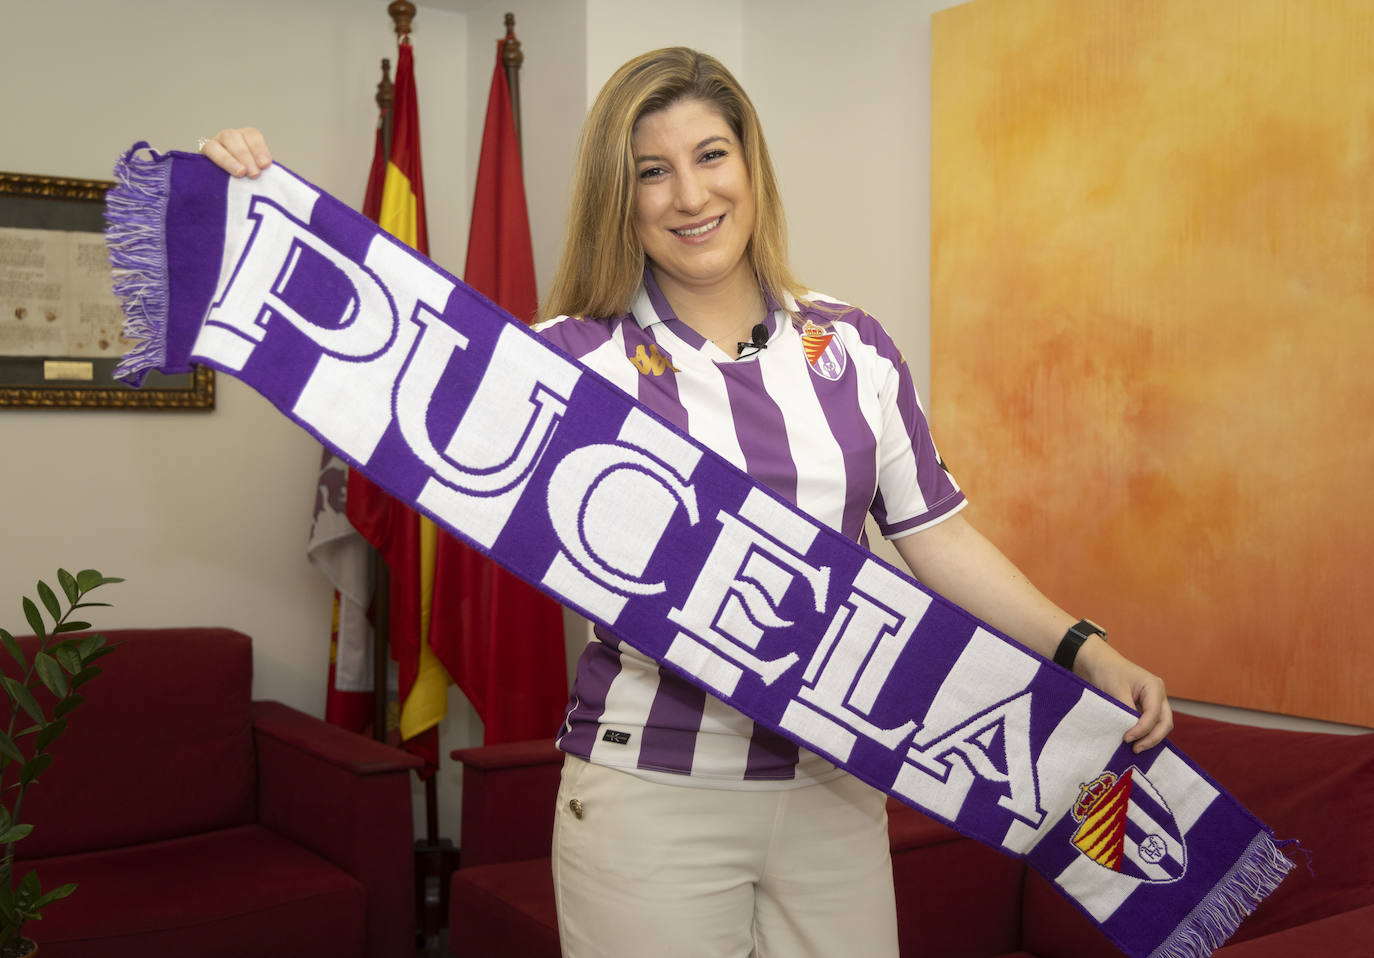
[(329, 743), (347, 799), (508, 797), (1345, 935)]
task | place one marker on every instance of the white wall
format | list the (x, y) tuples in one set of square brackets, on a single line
[(845, 100), (618, 30)]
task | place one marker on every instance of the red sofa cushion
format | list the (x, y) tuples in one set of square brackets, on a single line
[(504, 909), (1347, 935), (969, 895), (162, 899)]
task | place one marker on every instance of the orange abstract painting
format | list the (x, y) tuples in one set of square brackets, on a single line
[(1153, 326)]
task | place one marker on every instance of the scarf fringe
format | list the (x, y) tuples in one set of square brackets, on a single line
[(1216, 918), (135, 214)]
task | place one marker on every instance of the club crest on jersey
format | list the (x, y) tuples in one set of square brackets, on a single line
[(824, 352), (1126, 826)]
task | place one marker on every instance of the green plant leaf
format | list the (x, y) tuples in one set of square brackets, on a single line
[(28, 891), (30, 730), (93, 605), (72, 626), (65, 706), (88, 579), (90, 644), (10, 750), (51, 673), (35, 619), (50, 734), (69, 657), (24, 699), (69, 586), (98, 653), (13, 648), (15, 833), (84, 676), (33, 768), (49, 601), (60, 892)]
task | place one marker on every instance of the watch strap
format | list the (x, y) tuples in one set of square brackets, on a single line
[(1073, 640)]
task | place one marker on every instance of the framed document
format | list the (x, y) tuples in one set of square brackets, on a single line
[(59, 320)]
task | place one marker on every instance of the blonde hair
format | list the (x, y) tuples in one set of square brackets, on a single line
[(603, 259)]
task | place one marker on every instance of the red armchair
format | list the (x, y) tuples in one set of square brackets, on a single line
[(198, 822), (957, 898)]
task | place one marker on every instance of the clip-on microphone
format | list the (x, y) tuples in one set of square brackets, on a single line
[(758, 339)]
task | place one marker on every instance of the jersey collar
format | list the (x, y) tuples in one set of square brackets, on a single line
[(650, 308)]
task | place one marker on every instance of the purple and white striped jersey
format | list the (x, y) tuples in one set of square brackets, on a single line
[(827, 416)]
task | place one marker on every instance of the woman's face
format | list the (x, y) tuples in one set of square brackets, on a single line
[(694, 204)]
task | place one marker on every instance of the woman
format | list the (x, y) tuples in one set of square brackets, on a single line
[(682, 829)]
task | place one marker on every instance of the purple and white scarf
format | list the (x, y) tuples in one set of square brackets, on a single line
[(451, 405)]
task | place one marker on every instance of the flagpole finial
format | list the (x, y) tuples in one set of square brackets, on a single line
[(386, 89), (511, 54), (511, 58), (402, 12)]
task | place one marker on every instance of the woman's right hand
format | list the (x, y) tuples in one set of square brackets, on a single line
[(241, 152)]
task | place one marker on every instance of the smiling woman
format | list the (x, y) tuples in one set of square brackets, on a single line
[(711, 835)]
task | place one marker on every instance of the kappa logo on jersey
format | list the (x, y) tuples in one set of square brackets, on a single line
[(1126, 826), (651, 362), (824, 352)]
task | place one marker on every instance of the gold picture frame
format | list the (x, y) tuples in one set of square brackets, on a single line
[(35, 212)]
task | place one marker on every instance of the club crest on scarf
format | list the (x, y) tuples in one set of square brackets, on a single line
[(824, 352), (1126, 826)]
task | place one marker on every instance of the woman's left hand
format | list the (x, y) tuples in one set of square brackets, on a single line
[(1122, 679), (239, 152)]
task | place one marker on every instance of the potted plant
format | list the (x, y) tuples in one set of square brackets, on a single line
[(61, 663)]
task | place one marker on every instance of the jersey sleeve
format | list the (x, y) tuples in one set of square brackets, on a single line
[(915, 490)]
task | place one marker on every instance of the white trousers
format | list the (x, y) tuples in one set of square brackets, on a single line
[(677, 872)]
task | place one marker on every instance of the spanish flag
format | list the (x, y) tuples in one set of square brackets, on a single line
[(406, 540)]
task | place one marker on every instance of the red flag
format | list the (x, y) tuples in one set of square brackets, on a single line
[(401, 536), (500, 258), (506, 652)]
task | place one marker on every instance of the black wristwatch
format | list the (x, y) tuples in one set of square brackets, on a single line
[(1073, 640)]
